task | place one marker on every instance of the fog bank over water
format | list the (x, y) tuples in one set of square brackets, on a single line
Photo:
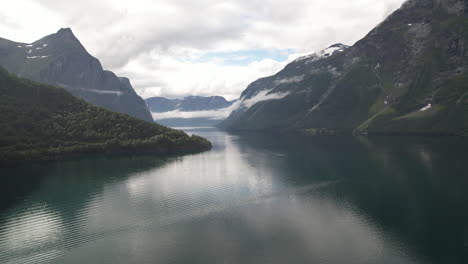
[(221, 114)]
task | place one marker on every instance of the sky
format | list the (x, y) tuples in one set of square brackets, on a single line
[(176, 48)]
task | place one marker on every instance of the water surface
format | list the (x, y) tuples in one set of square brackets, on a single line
[(254, 198)]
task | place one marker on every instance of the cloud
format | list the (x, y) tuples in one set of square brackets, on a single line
[(218, 114), (194, 78), (223, 113), (166, 47), (294, 79), (265, 95), (213, 114), (118, 93)]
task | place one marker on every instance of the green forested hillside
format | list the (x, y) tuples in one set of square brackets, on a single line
[(40, 122)]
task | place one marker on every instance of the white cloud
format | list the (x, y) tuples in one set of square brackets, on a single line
[(218, 114), (118, 93), (156, 42), (223, 113), (293, 79), (205, 79), (213, 114), (265, 95)]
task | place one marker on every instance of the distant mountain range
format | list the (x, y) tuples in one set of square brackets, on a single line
[(191, 111), (409, 75), (188, 104), (39, 121), (60, 59)]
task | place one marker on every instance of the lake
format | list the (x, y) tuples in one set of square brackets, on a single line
[(254, 198)]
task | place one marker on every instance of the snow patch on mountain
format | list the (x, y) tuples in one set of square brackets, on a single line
[(427, 107), (330, 51), (36, 57)]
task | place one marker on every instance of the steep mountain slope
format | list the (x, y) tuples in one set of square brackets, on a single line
[(188, 104), (38, 121), (60, 59), (409, 75)]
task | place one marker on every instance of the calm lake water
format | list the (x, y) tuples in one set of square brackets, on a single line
[(254, 198)]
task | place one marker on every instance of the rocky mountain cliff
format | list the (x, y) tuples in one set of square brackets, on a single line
[(60, 59), (409, 75), (188, 104)]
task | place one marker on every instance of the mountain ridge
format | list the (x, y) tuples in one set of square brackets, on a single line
[(60, 59), (188, 103), (406, 76)]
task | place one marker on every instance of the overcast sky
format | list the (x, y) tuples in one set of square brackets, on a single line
[(176, 48)]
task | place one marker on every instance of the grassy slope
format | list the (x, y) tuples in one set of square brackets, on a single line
[(358, 101), (450, 108), (39, 122)]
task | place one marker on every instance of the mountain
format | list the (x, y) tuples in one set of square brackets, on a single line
[(60, 59), (188, 104), (39, 121), (192, 111), (409, 75), (188, 122)]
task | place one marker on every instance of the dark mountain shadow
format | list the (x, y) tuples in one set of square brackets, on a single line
[(412, 188)]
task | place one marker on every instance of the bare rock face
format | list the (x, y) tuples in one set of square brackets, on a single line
[(457, 7), (408, 75), (60, 59), (453, 7)]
